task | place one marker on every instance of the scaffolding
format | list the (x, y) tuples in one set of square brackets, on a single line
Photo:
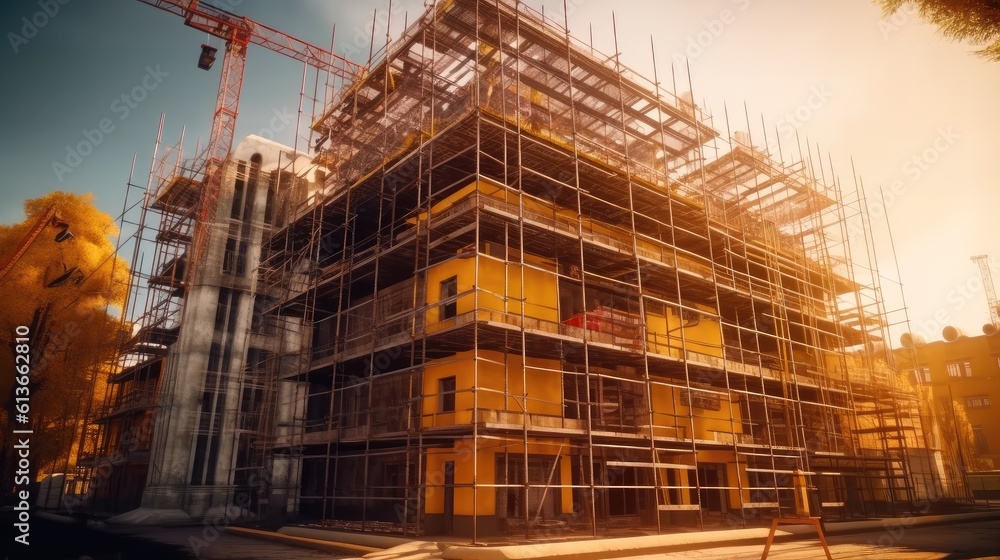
[(538, 293), (158, 229), (188, 408), (517, 291)]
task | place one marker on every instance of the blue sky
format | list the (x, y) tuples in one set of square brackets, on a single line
[(915, 113)]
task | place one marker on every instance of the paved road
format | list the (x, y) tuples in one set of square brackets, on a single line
[(939, 542), (54, 540), (209, 545)]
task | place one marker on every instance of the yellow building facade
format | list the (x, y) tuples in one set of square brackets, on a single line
[(962, 378), (544, 296)]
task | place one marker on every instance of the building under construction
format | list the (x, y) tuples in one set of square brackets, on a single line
[(515, 289)]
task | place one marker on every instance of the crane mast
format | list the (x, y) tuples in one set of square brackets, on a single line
[(991, 293), (238, 32)]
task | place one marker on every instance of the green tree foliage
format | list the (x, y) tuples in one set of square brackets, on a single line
[(72, 335), (975, 21)]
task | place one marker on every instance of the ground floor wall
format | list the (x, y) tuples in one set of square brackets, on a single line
[(500, 486), (117, 488)]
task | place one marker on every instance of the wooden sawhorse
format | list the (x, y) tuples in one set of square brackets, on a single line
[(814, 521)]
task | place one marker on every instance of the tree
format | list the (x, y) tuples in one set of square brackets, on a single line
[(976, 21), (60, 291), (965, 438)]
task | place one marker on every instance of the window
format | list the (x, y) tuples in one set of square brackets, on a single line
[(449, 289), (514, 496), (237, 206), (241, 259), (982, 444), (269, 206), (921, 374), (978, 401), (446, 394), (229, 257), (623, 501), (956, 369), (214, 357), (234, 261)]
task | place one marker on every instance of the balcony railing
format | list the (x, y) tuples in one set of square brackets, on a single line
[(534, 421), (132, 400)]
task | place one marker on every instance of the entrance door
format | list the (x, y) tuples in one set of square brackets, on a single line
[(449, 497), (854, 504), (537, 501), (712, 479)]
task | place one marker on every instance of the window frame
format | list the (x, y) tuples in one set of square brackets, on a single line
[(446, 394), (980, 440), (448, 289), (959, 369), (977, 401)]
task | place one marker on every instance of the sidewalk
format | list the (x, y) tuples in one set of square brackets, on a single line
[(382, 548)]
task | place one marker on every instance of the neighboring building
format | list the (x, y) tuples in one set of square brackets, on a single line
[(962, 375), (194, 348), (528, 292)]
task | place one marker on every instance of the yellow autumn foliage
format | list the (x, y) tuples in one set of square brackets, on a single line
[(73, 336)]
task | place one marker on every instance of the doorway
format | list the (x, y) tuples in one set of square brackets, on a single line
[(712, 492)]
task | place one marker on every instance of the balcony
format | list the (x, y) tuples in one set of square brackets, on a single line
[(132, 401), (118, 453), (729, 438), (506, 419), (623, 327)]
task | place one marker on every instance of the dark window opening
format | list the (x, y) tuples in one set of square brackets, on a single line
[(449, 289), (238, 189), (229, 258), (241, 258), (982, 443), (269, 206), (447, 394), (214, 357), (622, 501)]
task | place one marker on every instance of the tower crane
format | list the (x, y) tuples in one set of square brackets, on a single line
[(991, 294), (239, 32)]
